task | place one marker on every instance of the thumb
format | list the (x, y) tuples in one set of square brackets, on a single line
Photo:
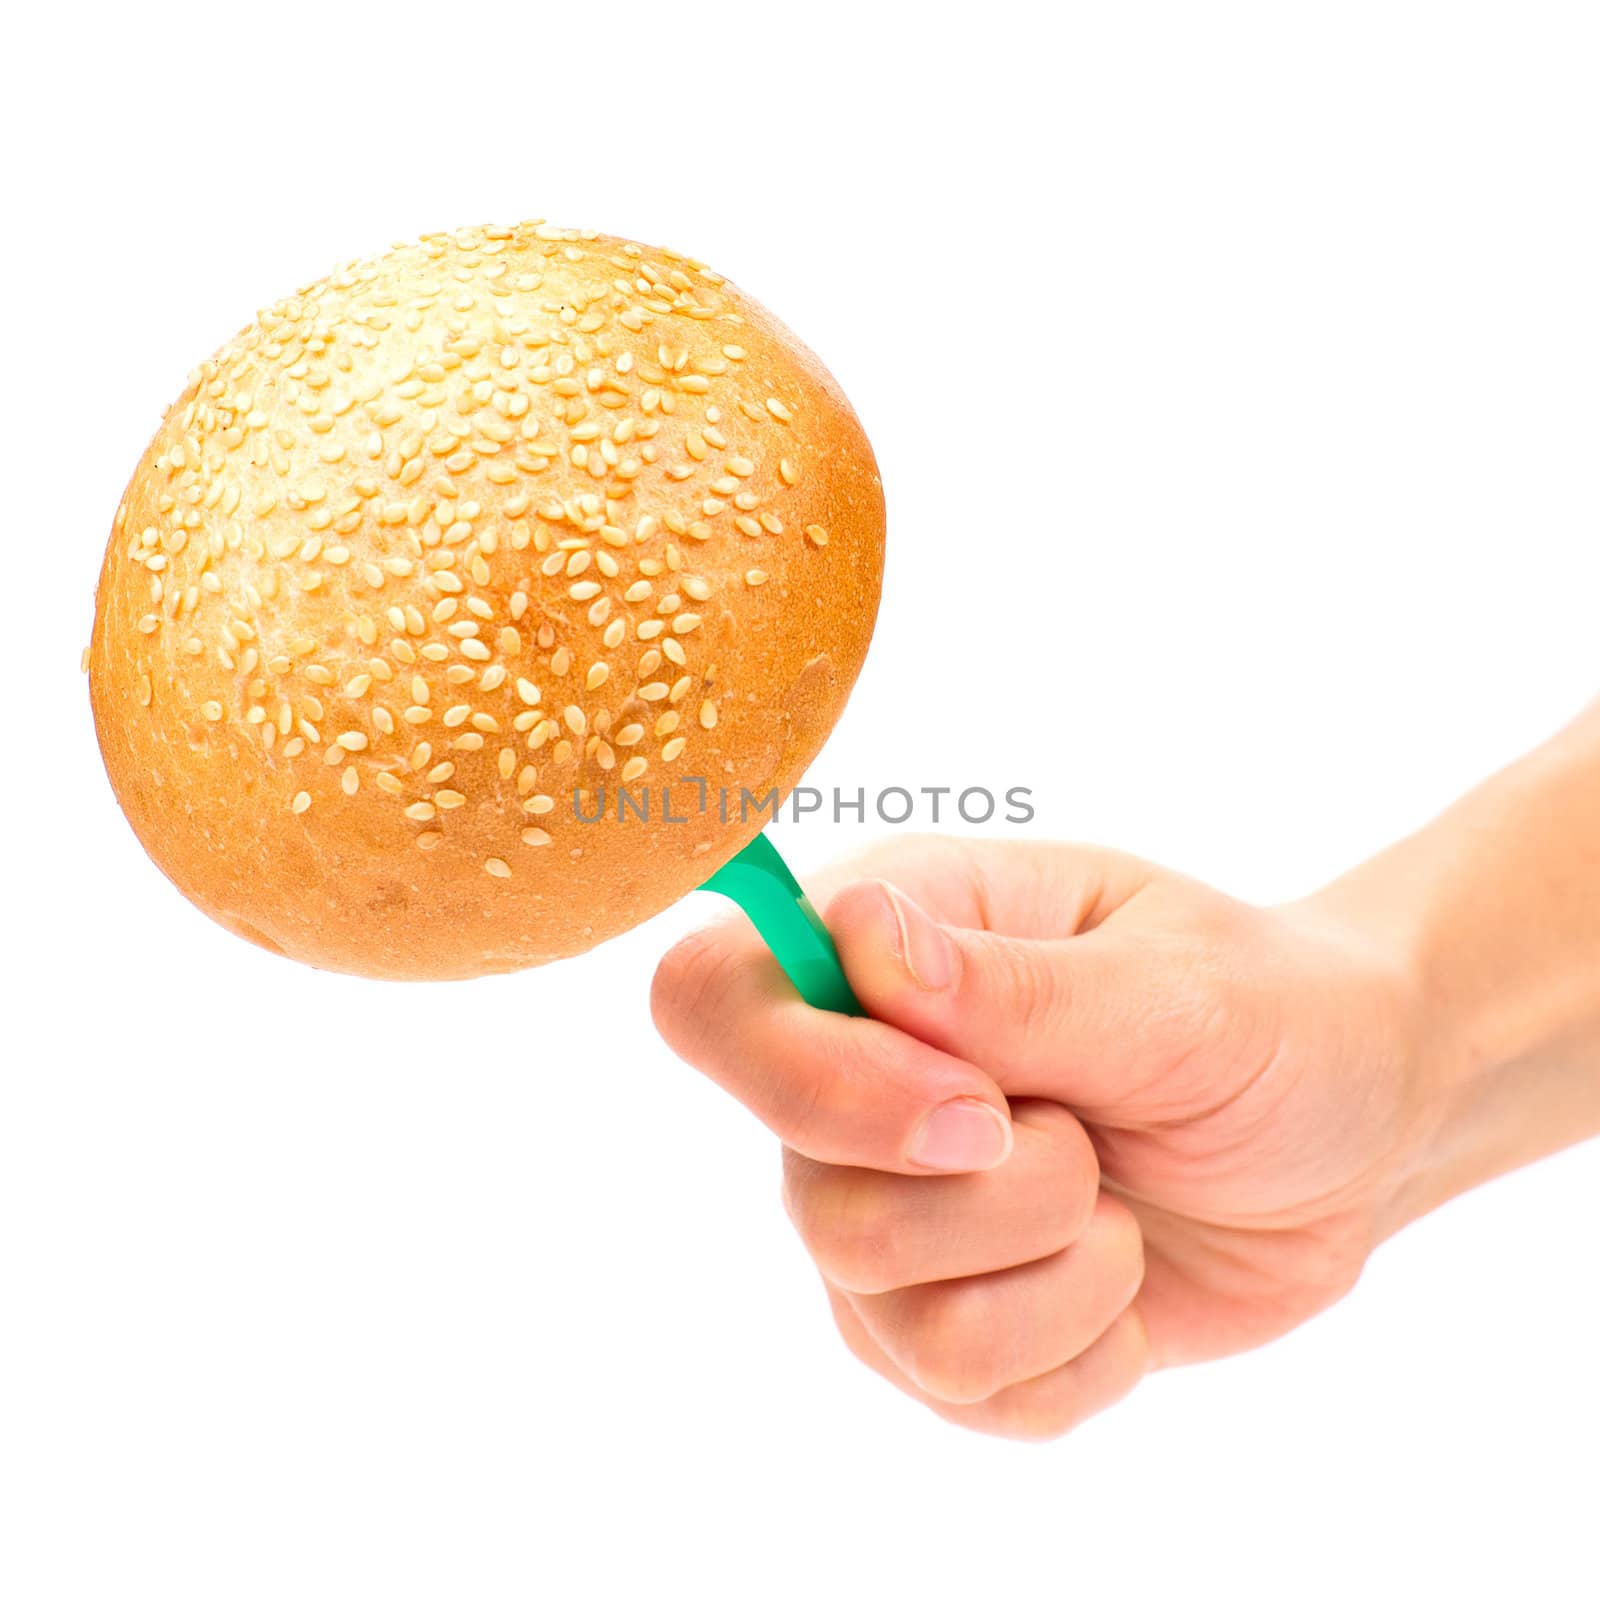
[(1079, 1020)]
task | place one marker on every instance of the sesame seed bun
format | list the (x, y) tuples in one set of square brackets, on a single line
[(438, 541)]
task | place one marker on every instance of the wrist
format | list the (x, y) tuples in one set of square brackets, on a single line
[(1420, 1040), (1489, 920)]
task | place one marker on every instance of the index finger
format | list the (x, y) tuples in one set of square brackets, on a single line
[(849, 1091)]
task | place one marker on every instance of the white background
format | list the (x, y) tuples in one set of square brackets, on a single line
[(1288, 318)]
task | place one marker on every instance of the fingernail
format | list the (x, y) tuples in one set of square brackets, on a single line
[(924, 946), (961, 1136)]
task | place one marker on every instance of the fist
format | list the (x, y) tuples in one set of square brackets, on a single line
[(1098, 1118)]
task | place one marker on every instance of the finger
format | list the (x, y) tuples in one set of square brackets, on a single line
[(844, 1090), (1042, 1408), (875, 1231), (965, 1339), (1085, 1020), (1009, 886)]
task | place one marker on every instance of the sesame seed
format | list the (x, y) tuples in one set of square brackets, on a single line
[(534, 836), (496, 868), (301, 802), (466, 367)]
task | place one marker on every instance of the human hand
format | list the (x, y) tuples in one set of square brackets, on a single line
[(1100, 1119)]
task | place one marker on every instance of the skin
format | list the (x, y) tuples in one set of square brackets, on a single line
[(1102, 1119)]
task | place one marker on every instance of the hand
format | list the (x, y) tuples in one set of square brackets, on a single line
[(1100, 1119)]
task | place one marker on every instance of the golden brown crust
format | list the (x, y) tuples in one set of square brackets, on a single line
[(455, 532)]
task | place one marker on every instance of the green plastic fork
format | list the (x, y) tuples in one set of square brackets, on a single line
[(760, 883)]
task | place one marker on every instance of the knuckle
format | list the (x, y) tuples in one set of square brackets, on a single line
[(1054, 1404), (687, 982), (850, 1329), (824, 1098), (793, 1105), (1026, 1419), (861, 1057), (1071, 1170), (845, 1230), (1076, 1200), (950, 1351)]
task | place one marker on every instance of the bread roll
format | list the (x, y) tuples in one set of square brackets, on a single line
[(441, 548)]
